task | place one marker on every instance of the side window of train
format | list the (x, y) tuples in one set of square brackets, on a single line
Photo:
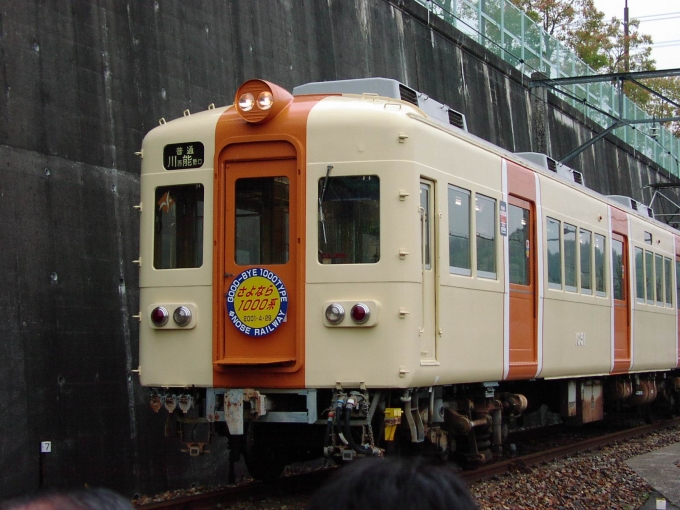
[(349, 219), (554, 254), (649, 276), (585, 243), (618, 288), (485, 208), (178, 227), (599, 265), (570, 256), (668, 276), (459, 231), (658, 264), (518, 245), (677, 283), (639, 275)]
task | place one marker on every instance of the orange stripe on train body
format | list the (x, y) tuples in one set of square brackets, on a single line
[(244, 140)]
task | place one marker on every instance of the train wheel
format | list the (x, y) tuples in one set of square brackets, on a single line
[(261, 456)]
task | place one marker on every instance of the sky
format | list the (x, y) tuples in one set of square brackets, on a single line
[(667, 56)]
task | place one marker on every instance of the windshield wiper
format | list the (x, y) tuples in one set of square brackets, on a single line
[(323, 192)]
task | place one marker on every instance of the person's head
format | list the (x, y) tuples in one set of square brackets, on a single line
[(85, 499), (378, 484)]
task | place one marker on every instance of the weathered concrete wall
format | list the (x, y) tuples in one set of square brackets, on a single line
[(82, 81)]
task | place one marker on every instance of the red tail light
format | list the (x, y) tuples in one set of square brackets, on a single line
[(159, 316), (360, 313)]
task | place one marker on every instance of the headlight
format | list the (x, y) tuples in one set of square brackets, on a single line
[(265, 100), (335, 313), (182, 316), (246, 101), (271, 100)]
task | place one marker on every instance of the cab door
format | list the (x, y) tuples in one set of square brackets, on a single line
[(428, 326)]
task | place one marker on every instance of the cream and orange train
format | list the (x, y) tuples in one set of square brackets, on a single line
[(345, 270)]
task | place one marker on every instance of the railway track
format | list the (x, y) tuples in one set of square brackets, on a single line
[(304, 483), (562, 451)]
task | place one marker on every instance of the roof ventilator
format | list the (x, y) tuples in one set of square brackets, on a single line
[(548, 163), (386, 87), (633, 204)]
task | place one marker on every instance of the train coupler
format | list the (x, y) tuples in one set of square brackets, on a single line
[(195, 449)]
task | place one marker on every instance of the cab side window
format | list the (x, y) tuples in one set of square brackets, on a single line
[(178, 227), (349, 219)]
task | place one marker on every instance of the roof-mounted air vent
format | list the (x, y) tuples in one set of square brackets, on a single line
[(408, 95), (539, 159), (385, 87), (549, 163), (633, 204), (457, 119)]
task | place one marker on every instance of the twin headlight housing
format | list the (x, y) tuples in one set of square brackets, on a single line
[(259, 101)]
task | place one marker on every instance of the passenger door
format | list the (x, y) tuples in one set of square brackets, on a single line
[(620, 290), (428, 326), (522, 278)]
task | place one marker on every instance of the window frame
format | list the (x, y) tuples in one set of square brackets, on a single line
[(458, 270), (640, 279), (586, 291), (172, 242), (668, 282), (649, 278), (322, 184), (598, 292), (558, 223), (494, 214), (567, 287), (659, 280)]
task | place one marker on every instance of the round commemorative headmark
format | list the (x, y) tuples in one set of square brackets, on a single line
[(257, 302)]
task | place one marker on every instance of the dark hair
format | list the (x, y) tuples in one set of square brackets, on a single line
[(85, 499), (378, 484)]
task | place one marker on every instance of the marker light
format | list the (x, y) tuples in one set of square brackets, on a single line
[(246, 101), (159, 316), (265, 100), (335, 313), (360, 313), (182, 316)]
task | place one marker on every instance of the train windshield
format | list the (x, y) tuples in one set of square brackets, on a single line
[(349, 222), (178, 228), (262, 220)]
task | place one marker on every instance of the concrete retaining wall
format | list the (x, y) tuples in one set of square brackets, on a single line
[(82, 82)]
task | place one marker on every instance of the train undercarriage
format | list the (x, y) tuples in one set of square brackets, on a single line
[(468, 424)]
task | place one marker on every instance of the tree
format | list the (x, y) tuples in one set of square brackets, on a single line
[(658, 108), (601, 44), (598, 42)]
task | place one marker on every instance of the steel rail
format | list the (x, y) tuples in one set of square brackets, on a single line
[(520, 463)]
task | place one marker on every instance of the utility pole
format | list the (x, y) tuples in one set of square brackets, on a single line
[(626, 43)]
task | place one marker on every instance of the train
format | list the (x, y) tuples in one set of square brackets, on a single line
[(345, 271)]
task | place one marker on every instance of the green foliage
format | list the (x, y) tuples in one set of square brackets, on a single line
[(601, 44)]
